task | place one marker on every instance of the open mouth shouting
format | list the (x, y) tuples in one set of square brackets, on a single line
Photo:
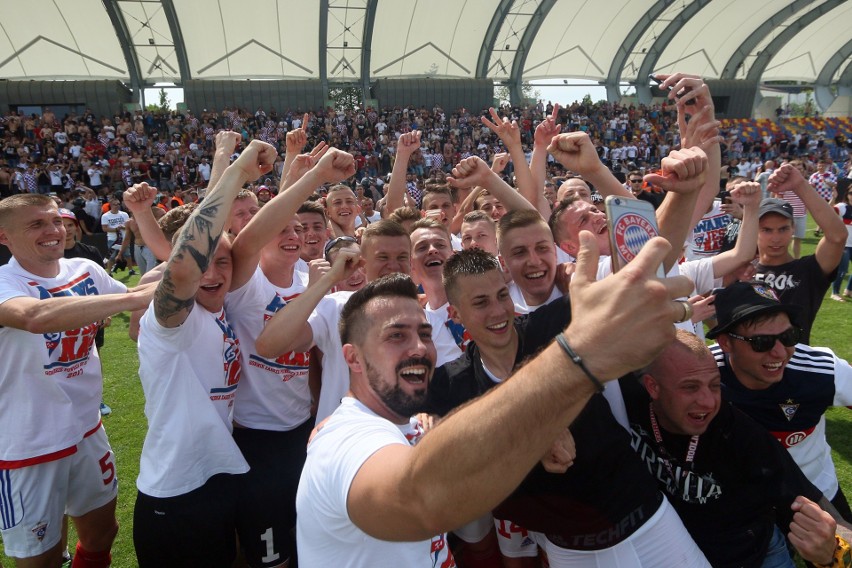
[(414, 371)]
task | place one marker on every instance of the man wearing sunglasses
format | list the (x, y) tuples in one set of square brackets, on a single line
[(784, 385)]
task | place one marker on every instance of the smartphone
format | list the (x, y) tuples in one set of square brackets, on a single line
[(632, 223)]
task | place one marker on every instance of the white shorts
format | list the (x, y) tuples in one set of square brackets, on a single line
[(34, 498), (516, 541), (662, 541), (475, 530)]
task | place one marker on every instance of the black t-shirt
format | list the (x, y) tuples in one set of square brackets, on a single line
[(800, 282), (606, 487), (740, 483), (81, 250)]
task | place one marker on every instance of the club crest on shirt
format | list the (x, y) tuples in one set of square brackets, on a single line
[(767, 293), (39, 531), (789, 409)]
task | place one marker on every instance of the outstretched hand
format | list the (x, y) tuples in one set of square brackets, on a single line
[(645, 308)]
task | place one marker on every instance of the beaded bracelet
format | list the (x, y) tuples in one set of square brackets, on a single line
[(563, 343)]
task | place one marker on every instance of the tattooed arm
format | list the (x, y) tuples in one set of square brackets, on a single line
[(197, 241)]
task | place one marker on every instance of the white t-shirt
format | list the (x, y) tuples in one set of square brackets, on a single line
[(326, 536), (335, 372), (94, 177), (521, 306), (442, 337), (190, 375), (274, 393), (114, 221), (50, 384), (708, 234), (204, 171)]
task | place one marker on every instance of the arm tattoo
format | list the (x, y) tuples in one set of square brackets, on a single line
[(200, 230), (166, 304)]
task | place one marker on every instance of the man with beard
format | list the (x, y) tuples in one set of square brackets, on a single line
[(368, 498)]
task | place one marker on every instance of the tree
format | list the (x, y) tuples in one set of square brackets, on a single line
[(164, 100), (501, 93), (164, 103)]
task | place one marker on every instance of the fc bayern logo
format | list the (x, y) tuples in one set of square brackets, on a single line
[(631, 233)]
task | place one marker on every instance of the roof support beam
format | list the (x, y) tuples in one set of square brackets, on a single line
[(124, 39), (490, 38), (755, 72), (367, 48), (822, 94), (323, 48), (649, 62), (765, 29), (613, 78), (846, 78), (517, 75), (177, 40)]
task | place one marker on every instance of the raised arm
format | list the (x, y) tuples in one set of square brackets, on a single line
[(295, 141), (830, 246), (139, 199), (407, 144), (199, 237), (693, 90), (331, 166), (683, 173), (544, 134), (288, 330), (472, 172), (510, 134), (576, 152), (513, 425), (747, 194), (226, 145)]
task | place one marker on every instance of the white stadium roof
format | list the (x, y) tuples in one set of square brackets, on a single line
[(144, 42)]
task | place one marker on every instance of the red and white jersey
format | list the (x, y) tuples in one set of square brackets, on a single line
[(190, 376), (50, 384), (274, 393), (708, 234), (793, 410)]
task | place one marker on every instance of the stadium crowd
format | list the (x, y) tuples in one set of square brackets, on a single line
[(332, 305)]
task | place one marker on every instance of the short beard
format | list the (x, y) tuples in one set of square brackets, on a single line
[(396, 399)]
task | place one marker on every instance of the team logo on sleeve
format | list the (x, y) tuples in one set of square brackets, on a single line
[(789, 409)]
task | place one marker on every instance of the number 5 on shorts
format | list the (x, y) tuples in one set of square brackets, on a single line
[(107, 468)]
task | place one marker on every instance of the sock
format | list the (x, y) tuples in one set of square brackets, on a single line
[(86, 559)]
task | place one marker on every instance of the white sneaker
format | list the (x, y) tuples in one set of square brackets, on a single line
[(836, 298)]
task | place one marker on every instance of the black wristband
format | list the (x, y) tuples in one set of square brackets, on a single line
[(563, 343)]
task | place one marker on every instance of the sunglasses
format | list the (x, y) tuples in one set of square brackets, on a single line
[(763, 343), (331, 244)]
